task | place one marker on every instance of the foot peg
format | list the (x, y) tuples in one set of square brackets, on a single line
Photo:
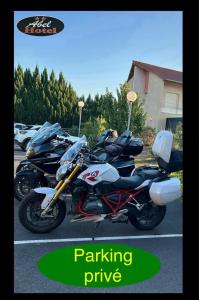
[(120, 216)]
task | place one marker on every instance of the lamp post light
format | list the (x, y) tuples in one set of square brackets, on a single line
[(81, 105), (131, 97)]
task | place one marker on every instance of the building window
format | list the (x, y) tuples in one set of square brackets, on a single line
[(172, 104)]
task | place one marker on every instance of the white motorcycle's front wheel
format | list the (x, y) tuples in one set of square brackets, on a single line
[(30, 214)]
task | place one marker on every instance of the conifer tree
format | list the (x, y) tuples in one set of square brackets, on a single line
[(39, 97)]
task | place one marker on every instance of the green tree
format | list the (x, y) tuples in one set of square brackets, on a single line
[(39, 97), (178, 136), (94, 127), (138, 117), (118, 112)]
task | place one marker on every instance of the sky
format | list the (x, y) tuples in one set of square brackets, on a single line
[(96, 48)]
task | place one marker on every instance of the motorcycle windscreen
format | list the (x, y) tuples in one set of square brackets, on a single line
[(45, 134), (46, 124), (73, 151), (36, 150)]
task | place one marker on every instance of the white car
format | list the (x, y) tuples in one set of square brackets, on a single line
[(24, 136), (17, 127)]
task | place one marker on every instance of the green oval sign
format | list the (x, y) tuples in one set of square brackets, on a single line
[(99, 265)]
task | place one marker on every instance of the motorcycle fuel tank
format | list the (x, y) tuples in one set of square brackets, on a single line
[(99, 172)]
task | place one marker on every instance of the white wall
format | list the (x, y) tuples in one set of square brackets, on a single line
[(137, 83), (154, 99)]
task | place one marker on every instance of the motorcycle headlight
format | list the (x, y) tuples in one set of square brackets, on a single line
[(61, 172), (30, 152)]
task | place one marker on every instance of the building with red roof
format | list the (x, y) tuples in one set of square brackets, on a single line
[(161, 91)]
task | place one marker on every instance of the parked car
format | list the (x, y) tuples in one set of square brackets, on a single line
[(23, 136), (17, 127)]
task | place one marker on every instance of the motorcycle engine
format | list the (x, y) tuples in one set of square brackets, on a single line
[(93, 204)]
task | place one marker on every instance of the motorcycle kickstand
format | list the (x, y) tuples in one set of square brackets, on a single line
[(95, 231)]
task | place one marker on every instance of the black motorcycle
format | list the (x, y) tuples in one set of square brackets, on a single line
[(43, 154)]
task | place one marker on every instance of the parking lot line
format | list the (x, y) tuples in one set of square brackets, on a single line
[(106, 238)]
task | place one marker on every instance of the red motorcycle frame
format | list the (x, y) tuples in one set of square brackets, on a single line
[(110, 203)]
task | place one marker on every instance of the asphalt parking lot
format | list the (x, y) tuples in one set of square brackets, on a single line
[(165, 242)]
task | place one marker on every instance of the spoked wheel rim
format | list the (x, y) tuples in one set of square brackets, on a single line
[(34, 214), (23, 187)]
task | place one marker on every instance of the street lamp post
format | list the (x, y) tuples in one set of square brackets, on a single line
[(131, 97), (81, 105)]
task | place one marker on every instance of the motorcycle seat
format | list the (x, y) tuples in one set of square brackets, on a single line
[(128, 182), (137, 179), (147, 172)]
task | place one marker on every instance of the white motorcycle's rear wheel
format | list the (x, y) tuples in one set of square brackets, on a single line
[(149, 217), (30, 214)]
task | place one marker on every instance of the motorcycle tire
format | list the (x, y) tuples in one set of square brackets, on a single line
[(21, 168), (31, 220), (149, 217), (20, 192)]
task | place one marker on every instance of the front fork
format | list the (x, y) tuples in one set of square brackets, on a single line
[(62, 184)]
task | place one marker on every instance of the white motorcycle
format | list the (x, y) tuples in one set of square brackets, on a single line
[(100, 193)]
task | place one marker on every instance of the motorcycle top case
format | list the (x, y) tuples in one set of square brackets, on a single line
[(168, 159), (162, 145), (133, 147), (166, 191)]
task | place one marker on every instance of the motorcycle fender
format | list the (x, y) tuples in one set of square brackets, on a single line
[(49, 192)]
